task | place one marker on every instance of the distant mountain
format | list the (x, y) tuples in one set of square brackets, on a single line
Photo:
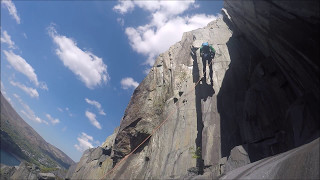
[(20, 139)]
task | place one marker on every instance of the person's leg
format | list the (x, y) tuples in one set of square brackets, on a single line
[(210, 62), (204, 61)]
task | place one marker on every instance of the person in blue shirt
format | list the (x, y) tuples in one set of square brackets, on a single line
[(207, 53)]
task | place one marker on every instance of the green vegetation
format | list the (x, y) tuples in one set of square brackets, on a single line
[(47, 169), (196, 153)]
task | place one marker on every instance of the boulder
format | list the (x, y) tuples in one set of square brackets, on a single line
[(46, 176), (7, 171), (25, 171), (298, 163), (238, 157)]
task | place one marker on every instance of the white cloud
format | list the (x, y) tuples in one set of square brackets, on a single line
[(88, 67), (196, 6), (165, 28), (43, 86), (21, 65), (29, 90), (85, 142), (128, 82), (168, 7), (12, 9), (6, 38), (28, 112), (156, 37), (120, 21), (96, 104), (124, 7), (52, 120), (59, 109), (92, 117)]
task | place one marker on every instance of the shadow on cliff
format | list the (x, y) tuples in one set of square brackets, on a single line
[(202, 92), (226, 103), (258, 107), (252, 101)]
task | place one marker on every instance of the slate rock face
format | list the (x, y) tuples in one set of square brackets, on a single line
[(71, 170), (270, 95), (26, 171), (299, 163), (93, 164), (48, 176), (169, 92), (7, 171), (261, 99), (238, 158)]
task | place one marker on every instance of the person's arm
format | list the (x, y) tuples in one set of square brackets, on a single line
[(201, 53), (212, 49)]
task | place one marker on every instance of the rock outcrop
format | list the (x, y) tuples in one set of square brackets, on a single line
[(274, 90), (7, 171), (31, 171), (93, 164), (261, 99), (299, 163), (238, 158), (46, 176), (26, 171)]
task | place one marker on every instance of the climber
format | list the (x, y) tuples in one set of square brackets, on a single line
[(207, 52)]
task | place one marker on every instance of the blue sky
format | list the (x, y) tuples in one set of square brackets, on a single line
[(69, 68)]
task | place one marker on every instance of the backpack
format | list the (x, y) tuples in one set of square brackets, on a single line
[(206, 49)]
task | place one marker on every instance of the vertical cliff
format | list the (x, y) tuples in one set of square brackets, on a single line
[(261, 99), (279, 89)]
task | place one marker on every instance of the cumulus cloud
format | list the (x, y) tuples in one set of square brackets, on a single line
[(168, 7), (21, 65), (28, 112), (124, 6), (128, 82), (29, 90), (12, 9), (88, 67), (165, 27), (84, 142), (52, 120), (96, 104), (6, 38), (155, 38), (92, 117)]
